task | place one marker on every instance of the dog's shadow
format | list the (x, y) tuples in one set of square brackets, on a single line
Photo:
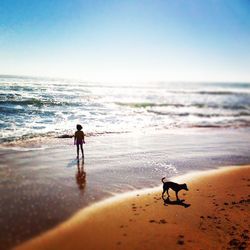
[(178, 202)]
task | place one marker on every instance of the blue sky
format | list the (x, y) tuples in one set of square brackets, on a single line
[(126, 40)]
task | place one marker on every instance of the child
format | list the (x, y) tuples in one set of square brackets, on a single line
[(79, 139)]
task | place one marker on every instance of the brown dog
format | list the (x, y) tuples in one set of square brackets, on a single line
[(174, 186)]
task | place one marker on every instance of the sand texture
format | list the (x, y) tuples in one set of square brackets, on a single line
[(213, 214)]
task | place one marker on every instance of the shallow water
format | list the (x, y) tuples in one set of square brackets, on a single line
[(41, 187)]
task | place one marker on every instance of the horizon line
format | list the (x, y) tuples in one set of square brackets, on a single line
[(54, 78)]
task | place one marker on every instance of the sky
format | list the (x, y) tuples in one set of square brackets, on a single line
[(126, 40)]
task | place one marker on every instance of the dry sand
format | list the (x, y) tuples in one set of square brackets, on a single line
[(214, 214)]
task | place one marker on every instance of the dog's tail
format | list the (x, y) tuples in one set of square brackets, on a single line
[(163, 179)]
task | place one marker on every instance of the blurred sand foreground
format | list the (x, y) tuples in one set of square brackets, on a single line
[(213, 214)]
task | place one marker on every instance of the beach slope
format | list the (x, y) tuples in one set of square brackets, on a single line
[(213, 214)]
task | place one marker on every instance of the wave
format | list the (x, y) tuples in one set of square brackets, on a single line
[(10, 111), (148, 104), (51, 135), (209, 126), (198, 114), (221, 115), (38, 137), (65, 136), (26, 137), (218, 92), (168, 113), (238, 124), (179, 105), (36, 102)]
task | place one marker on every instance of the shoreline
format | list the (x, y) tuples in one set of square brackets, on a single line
[(138, 219), (51, 139)]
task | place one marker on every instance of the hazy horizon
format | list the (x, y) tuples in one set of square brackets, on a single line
[(79, 80), (126, 41)]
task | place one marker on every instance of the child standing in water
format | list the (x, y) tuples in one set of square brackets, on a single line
[(79, 139)]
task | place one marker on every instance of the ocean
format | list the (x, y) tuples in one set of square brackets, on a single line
[(38, 107)]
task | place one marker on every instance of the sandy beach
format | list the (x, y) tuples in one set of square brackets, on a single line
[(213, 214), (42, 185)]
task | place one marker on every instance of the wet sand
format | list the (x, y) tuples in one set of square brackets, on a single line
[(41, 184), (213, 214)]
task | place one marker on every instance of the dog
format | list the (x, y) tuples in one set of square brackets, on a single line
[(174, 186)]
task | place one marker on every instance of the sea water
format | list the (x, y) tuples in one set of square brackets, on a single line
[(34, 107)]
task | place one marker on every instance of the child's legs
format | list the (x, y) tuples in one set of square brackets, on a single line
[(82, 150), (77, 146)]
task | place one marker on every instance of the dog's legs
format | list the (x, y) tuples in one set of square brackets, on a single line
[(177, 195), (163, 194), (168, 193)]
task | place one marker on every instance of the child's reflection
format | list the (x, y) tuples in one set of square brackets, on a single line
[(80, 175)]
